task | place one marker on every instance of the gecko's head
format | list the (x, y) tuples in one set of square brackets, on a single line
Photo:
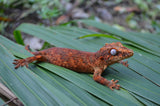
[(114, 52)]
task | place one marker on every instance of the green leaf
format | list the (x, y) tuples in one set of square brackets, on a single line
[(80, 80), (139, 81), (97, 35), (98, 43), (145, 101), (18, 37), (135, 83)]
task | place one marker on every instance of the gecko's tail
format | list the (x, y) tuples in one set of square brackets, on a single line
[(28, 49)]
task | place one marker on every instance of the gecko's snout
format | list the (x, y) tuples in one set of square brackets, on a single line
[(130, 53)]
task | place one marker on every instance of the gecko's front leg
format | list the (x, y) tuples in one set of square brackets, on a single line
[(98, 78)]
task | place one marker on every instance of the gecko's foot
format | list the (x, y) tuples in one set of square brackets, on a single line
[(113, 84), (20, 62), (125, 63)]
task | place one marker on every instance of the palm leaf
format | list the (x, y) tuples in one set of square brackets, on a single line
[(137, 84), (77, 79)]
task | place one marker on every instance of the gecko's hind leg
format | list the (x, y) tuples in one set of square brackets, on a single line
[(25, 62), (28, 49)]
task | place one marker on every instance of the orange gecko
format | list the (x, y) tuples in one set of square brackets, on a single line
[(81, 61)]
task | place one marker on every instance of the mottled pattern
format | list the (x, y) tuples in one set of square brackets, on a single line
[(81, 61), (72, 59)]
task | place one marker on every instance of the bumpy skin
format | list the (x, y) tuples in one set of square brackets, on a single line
[(81, 61)]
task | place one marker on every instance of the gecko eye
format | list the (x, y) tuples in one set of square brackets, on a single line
[(113, 52)]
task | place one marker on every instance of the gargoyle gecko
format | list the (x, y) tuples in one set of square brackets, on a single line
[(81, 61)]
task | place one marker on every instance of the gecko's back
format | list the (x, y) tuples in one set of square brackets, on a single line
[(76, 60)]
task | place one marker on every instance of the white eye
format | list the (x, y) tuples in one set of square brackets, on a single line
[(113, 52)]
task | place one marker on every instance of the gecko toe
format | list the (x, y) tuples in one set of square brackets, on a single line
[(17, 66), (20, 62), (116, 81), (15, 60), (114, 84), (15, 63), (117, 87)]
